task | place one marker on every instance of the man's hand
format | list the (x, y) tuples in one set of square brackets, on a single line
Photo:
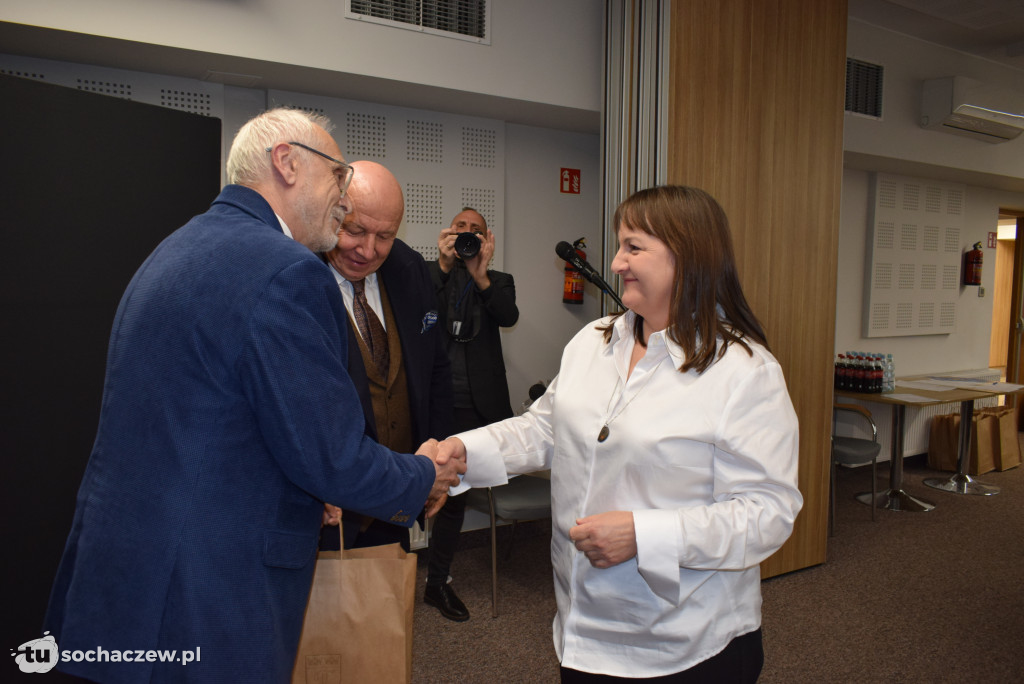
[(477, 266), (332, 515), (606, 539), (449, 463), (446, 249), (429, 449)]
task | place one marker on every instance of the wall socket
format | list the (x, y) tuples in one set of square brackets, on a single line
[(981, 291)]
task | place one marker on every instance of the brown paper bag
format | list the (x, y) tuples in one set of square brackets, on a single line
[(358, 624), (944, 440), (984, 443), (1006, 445)]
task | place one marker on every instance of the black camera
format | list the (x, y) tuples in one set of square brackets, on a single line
[(467, 245)]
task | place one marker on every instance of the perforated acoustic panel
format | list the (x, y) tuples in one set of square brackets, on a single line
[(185, 94), (444, 162), (914, 254)]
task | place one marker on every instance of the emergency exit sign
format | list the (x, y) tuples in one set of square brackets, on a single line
[(570, 181)]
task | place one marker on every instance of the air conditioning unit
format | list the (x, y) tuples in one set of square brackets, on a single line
[(968, 107)]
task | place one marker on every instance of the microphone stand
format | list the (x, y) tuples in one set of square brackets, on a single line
[(604, 287), (567, 252)]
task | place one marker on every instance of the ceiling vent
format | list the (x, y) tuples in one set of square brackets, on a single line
[(464, 19), (968, 107)]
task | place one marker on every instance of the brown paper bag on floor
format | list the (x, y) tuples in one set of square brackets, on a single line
[(944, 441), (984, 443), (358, 624), (1006, 445), (943, 438)]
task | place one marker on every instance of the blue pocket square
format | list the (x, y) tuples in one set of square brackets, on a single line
[(429, 319)]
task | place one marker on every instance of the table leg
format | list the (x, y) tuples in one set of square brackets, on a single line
[(961, 482), (895, 499)]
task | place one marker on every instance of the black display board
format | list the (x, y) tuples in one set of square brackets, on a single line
[(89, 185)]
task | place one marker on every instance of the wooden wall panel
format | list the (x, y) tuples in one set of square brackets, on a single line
[(756, 115)]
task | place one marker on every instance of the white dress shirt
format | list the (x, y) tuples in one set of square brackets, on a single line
[(284, 226), (370, 289), (706, 462)]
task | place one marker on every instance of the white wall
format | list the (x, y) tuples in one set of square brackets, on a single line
[(539, 216), (930, 154), (965, 349), (540, 51)]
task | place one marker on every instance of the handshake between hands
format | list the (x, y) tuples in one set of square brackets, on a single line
[(449, 459)]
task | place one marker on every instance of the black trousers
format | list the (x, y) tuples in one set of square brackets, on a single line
[(444, 535), (738, 663), (378, 533)]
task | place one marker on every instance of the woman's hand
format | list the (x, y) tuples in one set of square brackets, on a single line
[(606, 539)]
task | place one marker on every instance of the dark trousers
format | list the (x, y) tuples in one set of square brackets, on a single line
[(444, 535), (376, 533), (739, 663)]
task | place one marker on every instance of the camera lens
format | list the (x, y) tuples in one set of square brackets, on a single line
[(467, 245)]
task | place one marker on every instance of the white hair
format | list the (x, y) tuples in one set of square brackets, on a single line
[(248, 160)]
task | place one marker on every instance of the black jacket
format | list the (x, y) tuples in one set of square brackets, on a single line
[(486, 365)]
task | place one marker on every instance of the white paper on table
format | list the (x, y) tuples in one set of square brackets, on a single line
[(910, 398), (929, 385), (972, 385), (983, 386), (998, 387)]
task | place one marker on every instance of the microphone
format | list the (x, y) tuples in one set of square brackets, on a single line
[(537, 390), (567, 252)]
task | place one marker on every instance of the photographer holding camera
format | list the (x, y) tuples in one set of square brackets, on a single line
[(473, 303)]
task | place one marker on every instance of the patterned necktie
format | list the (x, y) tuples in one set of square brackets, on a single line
[(370, 328)]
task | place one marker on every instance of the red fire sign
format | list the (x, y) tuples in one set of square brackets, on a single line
[(570, 181)]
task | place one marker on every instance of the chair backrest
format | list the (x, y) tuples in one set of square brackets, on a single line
[(858, 410), (854, 450), (523, 498)]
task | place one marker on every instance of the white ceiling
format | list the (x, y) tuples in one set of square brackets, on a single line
[(993, 29)]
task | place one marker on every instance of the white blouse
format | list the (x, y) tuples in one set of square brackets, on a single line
[(706, 462)]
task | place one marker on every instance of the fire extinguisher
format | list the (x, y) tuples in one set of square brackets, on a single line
[(972, 265), (572, 289)]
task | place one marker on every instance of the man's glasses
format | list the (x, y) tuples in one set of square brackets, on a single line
[(343, 171)]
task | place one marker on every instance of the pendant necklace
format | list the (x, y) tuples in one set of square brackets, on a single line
[(605, 429)]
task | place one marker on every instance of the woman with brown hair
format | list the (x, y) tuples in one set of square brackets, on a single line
[(672, 444)]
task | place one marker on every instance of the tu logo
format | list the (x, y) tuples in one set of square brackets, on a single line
[(38, 655)]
